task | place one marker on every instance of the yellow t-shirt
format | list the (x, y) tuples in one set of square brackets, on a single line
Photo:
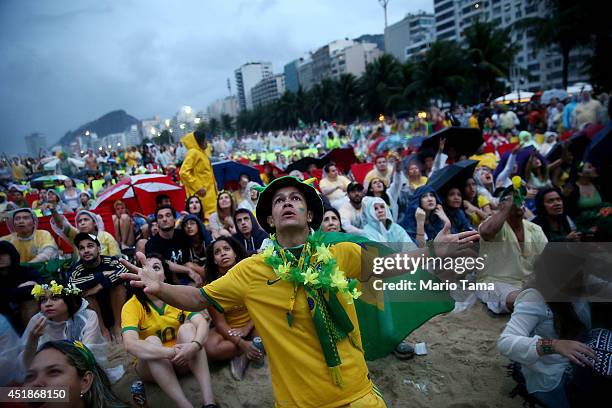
[(300, 376), (29, 248), (421, 182), (506, 260), (475, 219), (163, 323), (327, 184)]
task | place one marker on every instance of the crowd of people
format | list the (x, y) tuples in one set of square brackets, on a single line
[(196, 292)]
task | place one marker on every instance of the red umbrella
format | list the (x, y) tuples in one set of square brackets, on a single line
[(139, 192)]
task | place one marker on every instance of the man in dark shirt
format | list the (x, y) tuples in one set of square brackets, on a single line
[(172, 244), (98, 276)]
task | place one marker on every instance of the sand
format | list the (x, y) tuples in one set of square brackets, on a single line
[(462, 369)]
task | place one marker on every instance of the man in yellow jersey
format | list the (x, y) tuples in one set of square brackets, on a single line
[(299, 294)]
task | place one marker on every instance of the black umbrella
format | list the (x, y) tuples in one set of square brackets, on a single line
[(454, 175), (599, 150), (303, 164), (465, 141)]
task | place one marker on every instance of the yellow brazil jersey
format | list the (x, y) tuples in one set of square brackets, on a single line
[(162, 322), (300, 376), (29, 248)]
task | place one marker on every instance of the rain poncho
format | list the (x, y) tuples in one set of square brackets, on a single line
[(433, 224), (38, 247), (82, 326), (108, 244), (247, 203), (376, 231), (196, 173), (258, 235)]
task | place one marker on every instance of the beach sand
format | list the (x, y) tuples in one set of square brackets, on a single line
[(462, 369)]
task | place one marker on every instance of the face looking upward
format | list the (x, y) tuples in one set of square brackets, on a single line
[(194, 206), (224, 255), (454, 199), (191, 228), (381, 164), (225, 201), (331, 223), (86, 224), (380, 210), (89, 251), (428, 202), (23, 223), (553, 204), (289, 209)]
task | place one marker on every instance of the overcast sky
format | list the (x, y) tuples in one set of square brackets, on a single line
[(66, 62)]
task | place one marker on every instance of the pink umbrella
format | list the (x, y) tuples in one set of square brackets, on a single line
[(139, 192)]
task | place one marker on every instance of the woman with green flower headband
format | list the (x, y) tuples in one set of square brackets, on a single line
[(63, 315), (299, 293), (70, 364)]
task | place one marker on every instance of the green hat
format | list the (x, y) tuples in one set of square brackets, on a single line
[(264, 204)]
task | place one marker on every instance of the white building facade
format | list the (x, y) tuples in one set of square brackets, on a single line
[(247, 76), (268, 90), (410, 36)]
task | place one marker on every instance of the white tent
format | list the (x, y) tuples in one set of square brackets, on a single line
[(515, 96)]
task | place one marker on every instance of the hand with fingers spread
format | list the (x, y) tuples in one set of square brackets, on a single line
[(452, 245), (577, 352), (144, 277)]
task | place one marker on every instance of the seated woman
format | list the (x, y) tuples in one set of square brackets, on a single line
[(85, 200), (536, 171), (589, 197), (54, 200), (551, 216), (87, 222), (128, 228), (250, 200), (71, 195), (379, 225), (545, 336), (453, 207), (425, 216), (166, 341), (248, 232), (476, 206), (221, 223), (193, 206), (71, 364), (231, 337), (331, 220), (64, 316), (485, 187), (199, 238), (16, 302), (33, 245)]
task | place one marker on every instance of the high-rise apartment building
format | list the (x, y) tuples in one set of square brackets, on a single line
[(544, 66), (247, 76), (268, 89), (353, 59), (410, 36)]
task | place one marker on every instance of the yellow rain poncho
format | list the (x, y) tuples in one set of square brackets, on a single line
[(196, 173)]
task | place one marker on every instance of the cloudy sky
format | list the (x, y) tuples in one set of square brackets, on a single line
[(65, 62)]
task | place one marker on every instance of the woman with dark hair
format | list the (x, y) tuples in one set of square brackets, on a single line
[(71, 195), (221, 223), (166, 341), (536, 172), (546, 331), (231, 337), (425, 216), (331, 220), (477, 207), (199, 238), (453, 207), (551, 216), (63, 316), (65, 363), (193, 206)]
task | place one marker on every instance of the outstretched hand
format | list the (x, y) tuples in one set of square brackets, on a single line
[(447, 244), (143, 277)]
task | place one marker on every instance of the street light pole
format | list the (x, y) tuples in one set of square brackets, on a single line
[(384, 4)]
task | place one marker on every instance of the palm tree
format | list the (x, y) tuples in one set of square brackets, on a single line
[(382, 79), (227, 123), (564, 26), (347, 98), (439, 74), (490, 55), (213, 125)]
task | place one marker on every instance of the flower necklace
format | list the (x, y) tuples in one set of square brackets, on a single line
[(316, 269)]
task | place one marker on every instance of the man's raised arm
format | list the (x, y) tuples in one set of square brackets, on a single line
[(180, 296)]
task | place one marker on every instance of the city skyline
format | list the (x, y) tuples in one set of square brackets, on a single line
[(78, 61)]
